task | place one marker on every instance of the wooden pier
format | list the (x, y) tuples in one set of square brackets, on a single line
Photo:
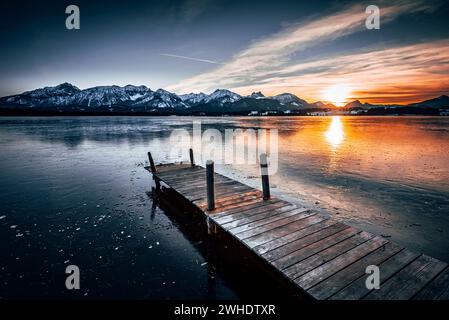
[(320, 256)]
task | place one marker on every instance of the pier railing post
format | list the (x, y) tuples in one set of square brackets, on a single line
[(152, 166), (192, 160), (153, 170), (264, 175), (210, 185)]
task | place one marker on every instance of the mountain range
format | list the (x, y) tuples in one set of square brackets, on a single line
[(141, 99)]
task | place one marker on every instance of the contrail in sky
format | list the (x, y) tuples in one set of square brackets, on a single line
[(189, 58)]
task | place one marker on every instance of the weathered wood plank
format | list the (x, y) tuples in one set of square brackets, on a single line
[(200, 195), (183, 186), (437, 289), (221, 186), (246, 219), (277, 224), (199, 174), (285, 230), (409, 281), (274, 205), (232, 198), (294, 235), (168, 167), (221, 192), (262, 222), (315, 276), (223, 189), (306, 265), (174, 176), (245, 208), (199, 181), (298, 244), (230, 189), (234, 206), (357, 289), (235, 196), (310, 257), (344, 277), (178, 171)]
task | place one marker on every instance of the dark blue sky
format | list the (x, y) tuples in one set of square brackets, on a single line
[(137, 42)]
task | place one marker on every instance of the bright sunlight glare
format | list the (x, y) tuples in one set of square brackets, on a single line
[(337, 94)]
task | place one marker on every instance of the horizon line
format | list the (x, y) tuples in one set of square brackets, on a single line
[(353, 99)]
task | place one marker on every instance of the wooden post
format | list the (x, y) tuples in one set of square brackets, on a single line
[(153, 170), (152, 166), (211, 226), (192, 161), (264, 175), (210, 185)]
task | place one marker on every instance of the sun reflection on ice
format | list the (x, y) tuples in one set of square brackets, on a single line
[(335, 134)]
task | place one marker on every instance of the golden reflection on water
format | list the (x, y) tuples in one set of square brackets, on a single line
[(335, 134), (409, 150)]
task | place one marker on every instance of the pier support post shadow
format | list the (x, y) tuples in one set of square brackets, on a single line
[(264, 175)]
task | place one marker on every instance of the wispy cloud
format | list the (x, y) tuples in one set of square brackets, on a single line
[(397, 75), (267, 62), (189, 58)]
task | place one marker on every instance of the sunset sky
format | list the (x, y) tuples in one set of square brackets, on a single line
[(318, 50)]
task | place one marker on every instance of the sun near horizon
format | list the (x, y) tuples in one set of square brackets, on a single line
[(337, 94)]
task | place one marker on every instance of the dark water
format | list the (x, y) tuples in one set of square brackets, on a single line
[(74, 191)]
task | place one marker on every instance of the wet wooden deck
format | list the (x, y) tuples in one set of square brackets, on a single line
[(319, 255)]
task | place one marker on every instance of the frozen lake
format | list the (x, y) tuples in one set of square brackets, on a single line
[(74, 191)]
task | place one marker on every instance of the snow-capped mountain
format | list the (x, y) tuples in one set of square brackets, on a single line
[(256, 95), (141, 98), (133, 97), (193, 98), (222, 96), (47, 92), (163, 99), (290, 99), (64, 95), (136, 92), (108, 95), (130, 99)]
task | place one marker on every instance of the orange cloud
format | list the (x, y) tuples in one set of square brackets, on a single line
[(383, 75), (396, 75)]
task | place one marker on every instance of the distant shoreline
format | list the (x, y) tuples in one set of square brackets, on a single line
[(405, 111), (67, 99)]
